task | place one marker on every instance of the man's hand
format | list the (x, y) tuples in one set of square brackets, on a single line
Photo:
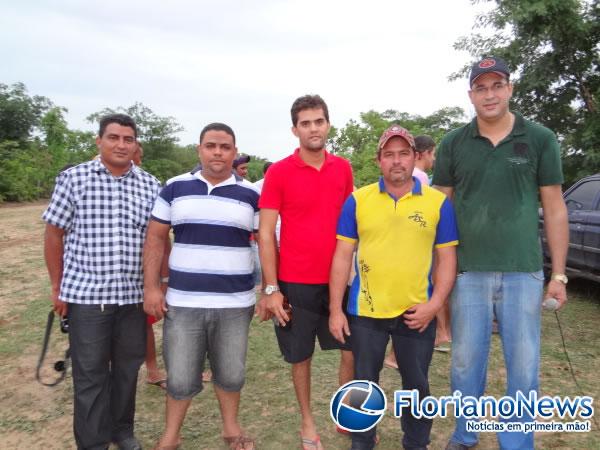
[(272, 305), (558, 290), (154, 302), (58, 306), (419, 316), (338, 326)]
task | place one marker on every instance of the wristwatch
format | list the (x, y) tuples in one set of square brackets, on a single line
[(270, 288), (559, 277)]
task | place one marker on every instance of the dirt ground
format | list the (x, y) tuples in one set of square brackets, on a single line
[(27, 406)]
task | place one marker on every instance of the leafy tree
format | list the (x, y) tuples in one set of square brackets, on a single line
[(255, 168), (20, 113), (357, 141), (157, 134), (553, 47)]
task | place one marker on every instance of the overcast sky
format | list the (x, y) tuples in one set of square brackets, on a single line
[(242, 63)]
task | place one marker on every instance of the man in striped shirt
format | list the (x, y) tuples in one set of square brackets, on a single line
[(210, 297), (95, 228)]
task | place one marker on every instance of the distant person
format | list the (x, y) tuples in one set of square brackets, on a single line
[(425, 147), (259, 183), (154, 376), (240, 165), (257, 271), (307, 189), (138, 155), (210, 297), (396, 226), (95, 228), (497, 168)]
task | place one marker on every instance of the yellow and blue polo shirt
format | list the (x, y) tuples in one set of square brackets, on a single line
[(396, 239)]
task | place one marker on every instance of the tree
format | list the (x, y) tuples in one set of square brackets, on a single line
[(255, 168), (157, 132), (553, 47), (20, 113), (357, 141)]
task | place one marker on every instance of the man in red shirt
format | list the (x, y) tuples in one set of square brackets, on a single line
[(307, 189)]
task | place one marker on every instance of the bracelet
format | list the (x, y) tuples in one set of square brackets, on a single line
[(164, 279)]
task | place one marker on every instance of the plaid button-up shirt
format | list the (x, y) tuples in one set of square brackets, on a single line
[(105, 220)]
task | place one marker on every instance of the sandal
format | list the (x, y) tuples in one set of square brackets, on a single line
[(240, 442), (311, 444), (160, 383)]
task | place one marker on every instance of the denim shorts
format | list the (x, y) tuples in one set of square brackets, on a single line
[(190, 334)]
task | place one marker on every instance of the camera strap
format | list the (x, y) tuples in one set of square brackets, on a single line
[(59, 366)]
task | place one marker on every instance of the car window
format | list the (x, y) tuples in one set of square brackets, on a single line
[(582, 198)]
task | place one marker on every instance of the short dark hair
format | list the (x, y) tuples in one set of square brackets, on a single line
[(217, 126), (266, 166), (424, 143), (122, 119), (308, 102)]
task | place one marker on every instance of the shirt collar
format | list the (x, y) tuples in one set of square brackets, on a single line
[(300, 163), (518, 128), (198, 169), (416, 190), (98, 166), (229, 181)]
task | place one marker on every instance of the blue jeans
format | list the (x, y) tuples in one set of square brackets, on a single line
[(514, 298), (413, 352), (189, 334)]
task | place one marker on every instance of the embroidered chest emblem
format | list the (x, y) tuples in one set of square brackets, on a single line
[(417, 217)]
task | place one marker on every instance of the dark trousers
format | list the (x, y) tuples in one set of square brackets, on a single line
[(107, 348), (413, 352)]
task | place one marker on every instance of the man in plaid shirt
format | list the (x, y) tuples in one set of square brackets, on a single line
[(95, 229)]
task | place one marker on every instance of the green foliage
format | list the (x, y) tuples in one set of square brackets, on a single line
[(21, 172), (357, 141), (163, 158), (20, 114), (553, 47), (255, 168)]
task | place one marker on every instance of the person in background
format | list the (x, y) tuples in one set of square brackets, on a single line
[(154, 376), (240, 165)]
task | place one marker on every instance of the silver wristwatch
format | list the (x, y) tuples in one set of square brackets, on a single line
[(270, 288)]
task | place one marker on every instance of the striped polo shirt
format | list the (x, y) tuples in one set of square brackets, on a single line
[(396, 239), (211, 262)]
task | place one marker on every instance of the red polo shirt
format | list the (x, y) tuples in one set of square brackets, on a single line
[(309, 202)]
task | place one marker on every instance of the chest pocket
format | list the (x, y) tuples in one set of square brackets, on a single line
[(137, 211)]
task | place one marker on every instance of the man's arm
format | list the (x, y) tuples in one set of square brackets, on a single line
[(338, 281), (53, 254), (155, 248), (448, 190), (419, 316), (269, 305), (556, 224)]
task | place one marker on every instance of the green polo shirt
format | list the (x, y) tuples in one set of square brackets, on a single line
[(496, 191)]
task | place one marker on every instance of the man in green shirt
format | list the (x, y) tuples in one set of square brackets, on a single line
[(494, 168)]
